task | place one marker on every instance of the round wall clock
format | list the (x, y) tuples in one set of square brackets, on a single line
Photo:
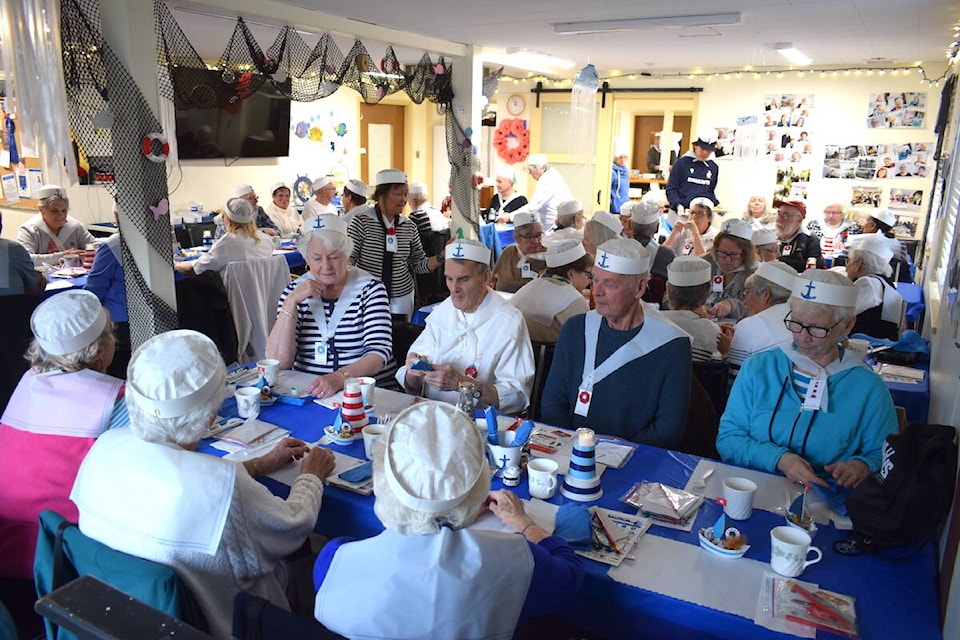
[(516, 104)]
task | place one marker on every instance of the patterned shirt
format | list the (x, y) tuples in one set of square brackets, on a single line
[(369, 237)]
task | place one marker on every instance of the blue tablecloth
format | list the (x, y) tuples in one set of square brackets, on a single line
[(496, 237), (894, 600), (75, 283)]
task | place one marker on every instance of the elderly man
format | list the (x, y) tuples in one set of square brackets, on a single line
[(694, 175), (767, 245), (427, 217), (506, 200), (550, 191), (262, 220), (796, 247), (51, 233), (472, 336), (521, 262), (324, 192), (620, 369), (645, 223), (767, 293), (619, 181)]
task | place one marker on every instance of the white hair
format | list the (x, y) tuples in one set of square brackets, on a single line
[(332, 241), (758, 284), (872, 263)]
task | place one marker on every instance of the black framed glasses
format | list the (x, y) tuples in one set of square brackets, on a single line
[(812, 330), (531, 236), (730, 255)]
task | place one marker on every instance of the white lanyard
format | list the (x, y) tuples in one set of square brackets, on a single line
[(328, 327)]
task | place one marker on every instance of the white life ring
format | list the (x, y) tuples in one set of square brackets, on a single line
[(146, 145)]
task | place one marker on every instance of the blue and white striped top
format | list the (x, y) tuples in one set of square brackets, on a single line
[(365, 328)]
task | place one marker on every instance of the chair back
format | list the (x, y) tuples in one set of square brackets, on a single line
[(15, 329), (542, 359), (195, 231), (703, 423), (253, 288), (404, 334), (202, 305), (713, 377), (64, 553)]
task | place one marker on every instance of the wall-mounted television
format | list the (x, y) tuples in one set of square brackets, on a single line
[(257, 127)]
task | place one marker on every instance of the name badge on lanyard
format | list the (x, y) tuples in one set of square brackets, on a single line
[(717, 286), (687, 249), (391, 244), (584, 396), (320, 352), (787, 250), (526, 271), (814, 396)]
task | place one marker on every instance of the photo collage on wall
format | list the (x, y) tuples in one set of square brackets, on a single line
[(908, 204), (897, 110), (878, 161), (786, 128)]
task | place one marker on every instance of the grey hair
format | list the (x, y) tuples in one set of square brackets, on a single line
[(410, 522), (644, 230), (46, 202), (567, 219), (523, 229), (687, 297), (758, 284), (479, 267), (596, 234), (872, 263), (85, 358), (332, 241), (839, 314), (183, 430)]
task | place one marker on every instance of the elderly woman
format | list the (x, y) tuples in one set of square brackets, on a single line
[(51, 233), (688, 285), (243, 241), (61, 405), (880, 223), (879, 305), (286, 218), (732, 261), (645, 224), (355, 194), (601, 227), (387, 245), (568, 225), (766, 244), (693, 235), (809, 409), (521, 262), (834, 230), (758, 214), (767, 292), (334, 320), (427, 572), (557, 295), (144, 490)]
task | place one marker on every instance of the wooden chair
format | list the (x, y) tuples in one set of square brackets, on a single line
[(703, 423), (713, 376), (404, 334)]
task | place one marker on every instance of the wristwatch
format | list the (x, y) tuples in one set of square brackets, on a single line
[(440, 257)]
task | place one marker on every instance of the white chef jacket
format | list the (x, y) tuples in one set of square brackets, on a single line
[(550, 191), (493, 339), (313, 208)]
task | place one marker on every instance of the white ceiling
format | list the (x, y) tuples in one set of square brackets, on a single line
[(832, 32)]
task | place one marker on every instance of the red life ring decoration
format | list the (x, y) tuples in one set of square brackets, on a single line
[(146, 145), (512, 140)]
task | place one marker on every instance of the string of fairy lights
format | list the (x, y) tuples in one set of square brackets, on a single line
[(917, 68)]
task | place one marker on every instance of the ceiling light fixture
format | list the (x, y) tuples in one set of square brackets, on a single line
[(604, 26), (794, 55), (521, 58)]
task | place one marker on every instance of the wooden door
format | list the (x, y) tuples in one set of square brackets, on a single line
[(382, 135)]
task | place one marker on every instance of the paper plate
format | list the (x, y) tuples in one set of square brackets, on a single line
[(718, 550)]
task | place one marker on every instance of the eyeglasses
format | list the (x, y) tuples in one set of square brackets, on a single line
[(699, 214), (787, 214), (730, 255), (812, 330), (531, 236)]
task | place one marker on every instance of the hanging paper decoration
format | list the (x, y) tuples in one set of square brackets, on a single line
[(160, 210), (583, 114)]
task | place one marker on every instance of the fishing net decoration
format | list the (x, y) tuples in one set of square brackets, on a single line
[(109, 118)]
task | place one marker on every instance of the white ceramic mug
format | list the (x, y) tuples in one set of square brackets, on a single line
[(542, 474), (368, 387), (248, 402), (371, 433), (503, 455), (789, 548), (71, 260), (738, 493), (269, 369)]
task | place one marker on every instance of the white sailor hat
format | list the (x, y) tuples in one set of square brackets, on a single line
[(688, 271), (321, 182), (569, 207), (468, 250), (779, 273), (523, 218), (68, 322), (634, 258), (391, 176), (738, 228), (762, 237), (645, 212), (325, 222), (608, 220), (565, 253), (828, 293)]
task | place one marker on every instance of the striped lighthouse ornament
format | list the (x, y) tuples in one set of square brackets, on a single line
[(581, 482), (352, 409)]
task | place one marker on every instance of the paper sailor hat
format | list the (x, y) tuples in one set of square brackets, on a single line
[(764, 236), (645, 212), (434, 457), (565, 253), (391, 176), (523, 218), (68, 322), (608, 220), (325, 222), (358, 187), (240, 211), (276, 186), (877, 246), (638, 264), (569, 207), (828, 293), (321, 183), (173, 373), (739, 228), (885, 216), (468, 250), (537, 160), (50, 191), (688, 271), (779, 273), (242, 190), (626, 209), (702, 201)]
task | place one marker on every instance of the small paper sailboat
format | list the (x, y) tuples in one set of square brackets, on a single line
[(712, 538)]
